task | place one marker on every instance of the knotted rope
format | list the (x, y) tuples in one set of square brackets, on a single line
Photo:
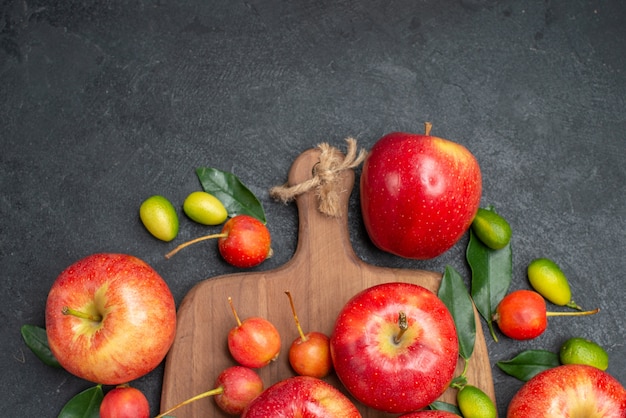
[(325, 176)]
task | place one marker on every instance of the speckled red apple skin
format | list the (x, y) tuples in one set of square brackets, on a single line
[(570, 391), (396, 378), (301, 397), (419, 194)]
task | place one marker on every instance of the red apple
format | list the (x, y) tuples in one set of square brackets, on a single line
[(430, 414), (570, 391), (395, 347), (301, 396), (419, 194), (254, 342), (124, 402), (110, 318)]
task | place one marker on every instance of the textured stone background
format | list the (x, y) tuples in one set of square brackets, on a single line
[(104, 103)]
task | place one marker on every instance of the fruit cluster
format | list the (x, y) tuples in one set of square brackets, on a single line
[(394, 346), (253, 344)]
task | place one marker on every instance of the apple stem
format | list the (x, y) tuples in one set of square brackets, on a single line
[(403, 324), (595, 311), (79, 314), (295, 317), (232, 307), (216, 391), (193, 241), (427, 127)]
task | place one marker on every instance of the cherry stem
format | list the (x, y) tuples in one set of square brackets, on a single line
[(232, 307), (194, 241), (595, 311), (403, 325), (216, 391), (295, 317), (427, 127), (79, 314)]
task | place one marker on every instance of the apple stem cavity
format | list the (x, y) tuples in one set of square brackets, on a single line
[(79, 314), (303, 337), (217, 391), (578, 313), (403, 325), (194, 241)]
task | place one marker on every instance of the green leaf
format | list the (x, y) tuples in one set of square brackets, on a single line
[(528, 363), (228, 189), (454, 294), (491, 277), (37, 340), (84, 405), (444, 406)]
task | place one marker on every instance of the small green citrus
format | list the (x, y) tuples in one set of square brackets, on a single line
[(159, 217), (582, 351), (474, 403), (546, 277), (492, 229), (204, 208)]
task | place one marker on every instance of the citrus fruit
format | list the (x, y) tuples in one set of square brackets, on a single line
[(474, 403), (582, 351), (546, 277), (159, 217), (492, 229), (204, 208)]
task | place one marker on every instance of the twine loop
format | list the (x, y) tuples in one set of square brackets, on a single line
[(326, 173)]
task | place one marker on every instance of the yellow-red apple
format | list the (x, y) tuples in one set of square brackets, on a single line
[(110, 318), (570, 391)]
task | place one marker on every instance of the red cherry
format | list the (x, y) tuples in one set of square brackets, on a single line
[(522, 314), (124, 402), (254, 342), (309, 354), (243, 242), (234, 389)]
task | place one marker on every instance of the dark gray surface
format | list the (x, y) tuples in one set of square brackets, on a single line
[(103, 104)]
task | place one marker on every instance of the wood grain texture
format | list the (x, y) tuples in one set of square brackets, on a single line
[(322, 275)]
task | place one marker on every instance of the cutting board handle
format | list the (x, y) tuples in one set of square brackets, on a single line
[(322, 239)]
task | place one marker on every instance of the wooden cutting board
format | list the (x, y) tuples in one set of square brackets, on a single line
[(322, 275)]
